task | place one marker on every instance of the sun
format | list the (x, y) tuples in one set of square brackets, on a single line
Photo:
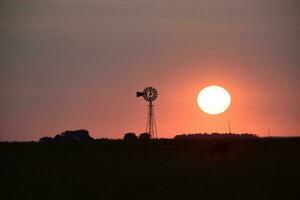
[(213, 100)]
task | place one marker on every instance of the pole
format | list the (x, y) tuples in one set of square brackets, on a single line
[(229, 128)]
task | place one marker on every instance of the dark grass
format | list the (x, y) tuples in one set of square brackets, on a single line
[(161, 169)]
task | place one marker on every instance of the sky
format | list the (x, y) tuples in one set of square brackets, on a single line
[(76, 64)]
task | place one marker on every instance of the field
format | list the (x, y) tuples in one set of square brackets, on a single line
[(158, 169)]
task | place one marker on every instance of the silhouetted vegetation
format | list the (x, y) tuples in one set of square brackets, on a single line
[(69, 136), (216, 136), (45, 139), (130, 137), (145, 136)]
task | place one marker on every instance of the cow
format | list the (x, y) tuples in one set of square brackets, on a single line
[(220, 148)]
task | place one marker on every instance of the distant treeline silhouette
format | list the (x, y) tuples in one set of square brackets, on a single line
[(83, 135), (216, 136), (132, 136), (69, 136)]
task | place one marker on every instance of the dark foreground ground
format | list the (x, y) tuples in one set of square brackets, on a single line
[(165, 169)]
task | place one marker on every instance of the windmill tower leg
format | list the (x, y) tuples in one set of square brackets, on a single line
[(148, 121), (151, 124), (154, 127)]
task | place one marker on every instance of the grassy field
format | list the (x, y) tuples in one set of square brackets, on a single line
[(161, 169)]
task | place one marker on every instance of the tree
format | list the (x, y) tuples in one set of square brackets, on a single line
[(145, 136), (73, 136), (45, 140), (130, 137)]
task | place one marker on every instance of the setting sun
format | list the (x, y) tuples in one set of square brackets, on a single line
[(213, 100)]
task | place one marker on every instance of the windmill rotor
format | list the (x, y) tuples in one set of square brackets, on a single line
[(150, 94)]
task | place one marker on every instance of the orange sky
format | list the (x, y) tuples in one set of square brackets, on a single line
[(77, 64)]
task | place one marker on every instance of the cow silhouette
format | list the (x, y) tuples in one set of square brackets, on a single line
[(220, 148)]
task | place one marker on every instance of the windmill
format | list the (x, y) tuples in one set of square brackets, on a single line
[(150, 94)]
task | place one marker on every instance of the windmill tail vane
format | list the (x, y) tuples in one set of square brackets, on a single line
[(139, 94)]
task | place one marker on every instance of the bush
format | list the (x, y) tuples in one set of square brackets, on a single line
[(145, 136), (45, 140), (130, 136)]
